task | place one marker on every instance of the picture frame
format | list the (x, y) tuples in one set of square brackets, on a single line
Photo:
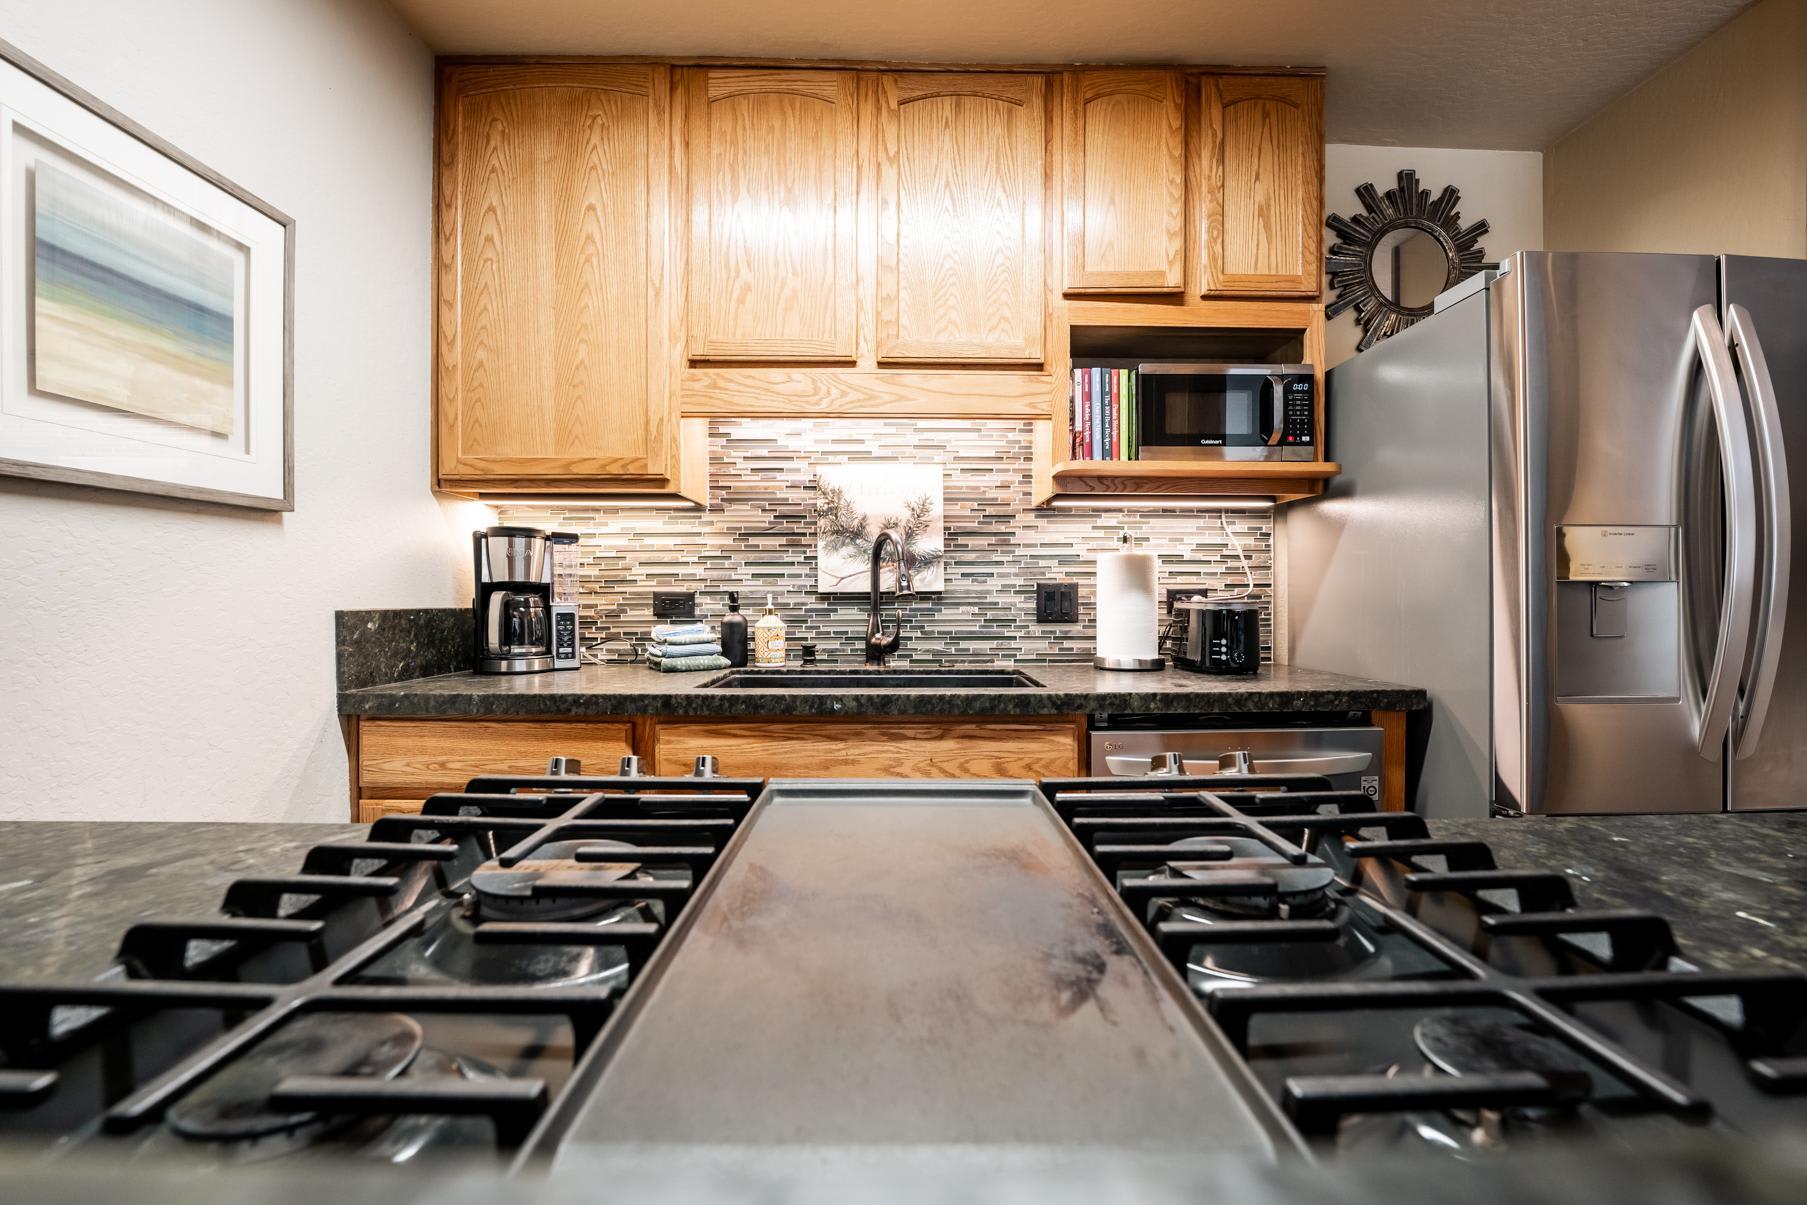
[(146, 307), (857, 501)]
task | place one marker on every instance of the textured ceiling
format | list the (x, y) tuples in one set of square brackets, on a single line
[(1506, 74)]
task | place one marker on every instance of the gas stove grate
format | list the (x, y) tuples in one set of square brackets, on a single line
[(353, 903), (1383, 859)]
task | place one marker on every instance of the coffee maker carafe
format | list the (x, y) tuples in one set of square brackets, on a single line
[(514, 600)]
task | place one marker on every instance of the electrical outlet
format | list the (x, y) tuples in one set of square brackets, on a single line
[(674, 604), (1176, 593), (1056, 602)]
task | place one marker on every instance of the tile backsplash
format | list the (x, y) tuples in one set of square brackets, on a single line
[(759, 537)]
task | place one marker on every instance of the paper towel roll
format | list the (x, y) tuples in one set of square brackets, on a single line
[(1127, 614)]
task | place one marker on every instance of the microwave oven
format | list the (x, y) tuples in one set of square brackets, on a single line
[(1226, 411)]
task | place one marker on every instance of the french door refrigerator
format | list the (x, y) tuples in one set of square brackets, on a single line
[(1565, 511)]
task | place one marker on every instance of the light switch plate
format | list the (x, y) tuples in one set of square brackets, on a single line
[(1056, 602)]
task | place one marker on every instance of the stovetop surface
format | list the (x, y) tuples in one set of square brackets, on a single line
[(915, 963)]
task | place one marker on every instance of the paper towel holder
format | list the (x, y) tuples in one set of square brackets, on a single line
[(1140, 664)]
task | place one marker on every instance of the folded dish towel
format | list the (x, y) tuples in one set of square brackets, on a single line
[(683, 633), (684, 650), (680, 665)]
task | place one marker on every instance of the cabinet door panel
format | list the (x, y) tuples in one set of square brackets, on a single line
[(1125, 151), (553, 190), (903, 748), (773, 205), (1262, 151), (411, 759), (961, 176)]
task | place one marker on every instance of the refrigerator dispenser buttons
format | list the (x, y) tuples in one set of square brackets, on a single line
[(1616, 553)]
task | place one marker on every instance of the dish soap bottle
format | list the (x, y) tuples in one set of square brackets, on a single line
[(768, 639), (734, 632)]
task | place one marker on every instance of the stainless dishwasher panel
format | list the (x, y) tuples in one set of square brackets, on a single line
[(1348, 757)]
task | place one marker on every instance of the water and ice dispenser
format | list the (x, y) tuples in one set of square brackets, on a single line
[(1618, 612)]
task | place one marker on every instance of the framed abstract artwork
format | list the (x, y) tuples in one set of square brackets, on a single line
[(145, 308)]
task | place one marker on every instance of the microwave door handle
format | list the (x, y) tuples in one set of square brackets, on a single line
[(1271, 400), (1772, 471), (1740, 534)]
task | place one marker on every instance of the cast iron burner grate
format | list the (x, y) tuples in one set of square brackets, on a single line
[(1517, 1001), (266, 1020)]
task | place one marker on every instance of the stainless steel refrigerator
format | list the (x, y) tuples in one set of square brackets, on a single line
[(1565, 511)]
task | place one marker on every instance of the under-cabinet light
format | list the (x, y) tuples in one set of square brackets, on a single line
[(596, 500), (1157, 502)]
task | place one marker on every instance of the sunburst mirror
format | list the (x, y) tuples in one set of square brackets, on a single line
[(1395, 257)]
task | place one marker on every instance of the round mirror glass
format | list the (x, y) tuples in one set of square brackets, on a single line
[(1409, 267)]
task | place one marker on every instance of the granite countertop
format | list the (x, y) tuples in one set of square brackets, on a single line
[(1734, 887), (70, 889), (633, 689)]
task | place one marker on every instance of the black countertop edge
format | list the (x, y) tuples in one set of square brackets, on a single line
[(1068, 689)]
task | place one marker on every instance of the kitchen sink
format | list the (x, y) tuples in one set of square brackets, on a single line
[(874, 679)]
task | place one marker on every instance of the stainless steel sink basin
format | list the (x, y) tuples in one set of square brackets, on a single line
[(874, 679)]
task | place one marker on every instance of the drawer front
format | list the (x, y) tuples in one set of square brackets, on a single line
[(403, 759), (372, 810), (949, 748)]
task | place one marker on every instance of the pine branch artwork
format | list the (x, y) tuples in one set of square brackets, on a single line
[(855, 502)]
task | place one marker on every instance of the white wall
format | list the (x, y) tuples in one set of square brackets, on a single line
[(1505, 187), (159, 660)]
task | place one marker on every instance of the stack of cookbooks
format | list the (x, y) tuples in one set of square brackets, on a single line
[(1104, 414)]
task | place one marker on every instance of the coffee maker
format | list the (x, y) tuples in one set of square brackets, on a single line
[(514, 600)]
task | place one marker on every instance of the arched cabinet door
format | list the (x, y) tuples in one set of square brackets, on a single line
[(774, 206), (1261, 148), (962, 161), (1124, 142), (552, 342)]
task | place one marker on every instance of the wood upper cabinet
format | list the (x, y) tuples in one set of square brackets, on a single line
[(1261, 153), (1125, 168), (774, 205), (554, 362), (962, 163)]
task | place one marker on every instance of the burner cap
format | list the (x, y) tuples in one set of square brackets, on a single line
[(1277, 888), (1464, 1044), (234, 1104), (509, 893)]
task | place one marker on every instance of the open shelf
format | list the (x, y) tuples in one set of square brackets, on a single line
[(1281, 480), (1121, 334)]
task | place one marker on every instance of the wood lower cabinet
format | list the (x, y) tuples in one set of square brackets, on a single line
[(940, 747), (774, 203), (1125, 169), (402, 761), (555, 366), (962, 161), (1261, 154)]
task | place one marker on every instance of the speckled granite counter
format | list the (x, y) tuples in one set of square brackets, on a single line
[(68, 889), (1066, 690), (1734, 887)]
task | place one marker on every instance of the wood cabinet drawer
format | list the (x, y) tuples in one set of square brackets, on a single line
[(372, 810), (864, 748), (402, 759)]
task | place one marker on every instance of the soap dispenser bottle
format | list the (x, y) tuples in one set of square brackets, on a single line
[(734, 632), (768, 639)]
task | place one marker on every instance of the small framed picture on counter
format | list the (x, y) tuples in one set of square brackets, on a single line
[(145, 307)]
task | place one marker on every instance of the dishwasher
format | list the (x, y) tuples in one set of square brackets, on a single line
[(1337, 746)]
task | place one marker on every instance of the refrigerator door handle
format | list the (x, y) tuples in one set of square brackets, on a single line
[(1772, 468), (1740, 534)]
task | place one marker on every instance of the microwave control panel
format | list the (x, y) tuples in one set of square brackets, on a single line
[(1298, 413)]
